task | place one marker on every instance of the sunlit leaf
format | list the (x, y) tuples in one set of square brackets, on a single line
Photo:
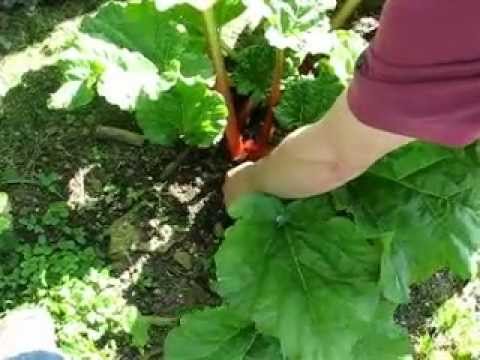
[(190, 112)]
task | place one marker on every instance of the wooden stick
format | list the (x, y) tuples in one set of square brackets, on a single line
[(121, 135)]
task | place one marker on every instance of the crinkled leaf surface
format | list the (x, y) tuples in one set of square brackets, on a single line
[(383, 339), (255, 63), (428, 199), (119, 75), (159, 36), (265, 348), (224, 10), (301, 274), (200, 5), (306, 100), (348, 46), (191, 112), (253, 72), (302, 26), (78, 89), (218, 334)]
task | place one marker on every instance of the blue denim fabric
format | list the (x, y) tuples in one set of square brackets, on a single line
[(38, 355)]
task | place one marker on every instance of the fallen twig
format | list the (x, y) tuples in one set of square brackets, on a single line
[(161, 321), (121, 135)]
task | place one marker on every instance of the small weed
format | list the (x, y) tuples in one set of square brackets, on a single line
[(50, 183), (59, 272), (455, 330)]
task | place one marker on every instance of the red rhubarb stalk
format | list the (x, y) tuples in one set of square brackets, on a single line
[(232, 132)]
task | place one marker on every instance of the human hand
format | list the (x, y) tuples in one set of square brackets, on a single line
[(239, 181)]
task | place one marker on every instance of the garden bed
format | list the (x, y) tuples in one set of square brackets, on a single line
[(154, 214)]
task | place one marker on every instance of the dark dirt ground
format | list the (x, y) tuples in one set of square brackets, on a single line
[(35, 141)]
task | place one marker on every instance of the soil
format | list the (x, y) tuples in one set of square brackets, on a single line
[(35, 140), (107, 179)]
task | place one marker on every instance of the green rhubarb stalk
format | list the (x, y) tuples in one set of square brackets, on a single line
[(223, 81), (344, 13), (275, 94)]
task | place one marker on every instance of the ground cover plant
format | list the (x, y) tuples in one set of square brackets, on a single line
[(313, 279), (71, 281), (453, 331)]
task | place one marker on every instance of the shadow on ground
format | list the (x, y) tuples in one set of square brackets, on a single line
[(110, 179), (22, 27)]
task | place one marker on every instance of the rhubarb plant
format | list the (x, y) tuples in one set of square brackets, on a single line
[(323, 276), (167, 62), (314, 279)]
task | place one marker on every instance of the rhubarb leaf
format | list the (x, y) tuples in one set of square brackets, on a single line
[(224, 10), (94, 63), (201, 5), (347, 48), (188, 111), (307, 99), (431, 207), (265, 348), (212, 334), (253, 71), (383, 339), (307, 277), (302, 26), (159, 36), (78, 88), (219, 334)]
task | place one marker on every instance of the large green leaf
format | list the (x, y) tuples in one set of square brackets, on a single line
[(306, 100), (218, 334), (302, 26), (78, 90), (348, 46), (190, 112), (301, 274), (429, 206), (119, 75), (159, 36), (200, 5), (383, 339), (224, 10), (265, 348), (253, 72)]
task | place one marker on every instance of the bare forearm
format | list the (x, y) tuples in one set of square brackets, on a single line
[(290, 173), (323, 156)]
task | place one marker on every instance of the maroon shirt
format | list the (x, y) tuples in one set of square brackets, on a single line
[(421, 75)]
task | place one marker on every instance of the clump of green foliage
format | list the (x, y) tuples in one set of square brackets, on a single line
[(173, 56), (454, 333), (316, 279), (321, 278), (72, 282)]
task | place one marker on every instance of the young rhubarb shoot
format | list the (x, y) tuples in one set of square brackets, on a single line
[(275, 94), (232, 134)]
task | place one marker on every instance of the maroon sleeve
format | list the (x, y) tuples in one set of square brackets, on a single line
[(420, 76)]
